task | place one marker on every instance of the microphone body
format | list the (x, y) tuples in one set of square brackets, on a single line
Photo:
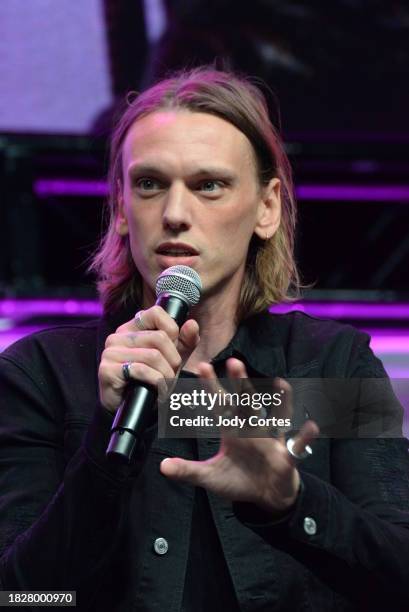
[(177, 289)]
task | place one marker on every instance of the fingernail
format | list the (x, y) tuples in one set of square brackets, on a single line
[(161, 466)]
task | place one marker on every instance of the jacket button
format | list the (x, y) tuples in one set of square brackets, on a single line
[(160, 546), (310, 526)]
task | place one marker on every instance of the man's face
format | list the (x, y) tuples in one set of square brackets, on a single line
[(190, 196)]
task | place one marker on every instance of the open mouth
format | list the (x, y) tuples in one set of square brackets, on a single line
[(176, 251)]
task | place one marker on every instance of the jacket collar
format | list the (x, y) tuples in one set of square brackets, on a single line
[(258, 345)]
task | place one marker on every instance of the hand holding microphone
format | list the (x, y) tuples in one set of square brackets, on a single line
[(148, 350)]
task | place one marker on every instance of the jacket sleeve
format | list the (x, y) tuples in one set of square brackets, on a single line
[(352, 531), (58, 521)]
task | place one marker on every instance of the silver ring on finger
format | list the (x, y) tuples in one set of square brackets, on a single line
[(126, 367), (307, 452), (138, 321)]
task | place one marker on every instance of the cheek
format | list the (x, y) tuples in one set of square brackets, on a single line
[(240, 225), (140, 225), (232, 240)]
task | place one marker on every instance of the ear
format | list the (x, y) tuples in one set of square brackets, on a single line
[(121, 224), (269, 210)]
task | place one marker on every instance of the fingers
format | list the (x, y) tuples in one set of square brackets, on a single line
[(307, 434), (207, 373), (188, 339), (128, 346), (284, 410), (112, 383), (236, 368), (151, 347), (271, 417), (154, 318), (228, 404), (194, 472), (151, 358)]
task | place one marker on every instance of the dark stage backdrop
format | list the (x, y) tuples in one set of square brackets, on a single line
[(339, 70)]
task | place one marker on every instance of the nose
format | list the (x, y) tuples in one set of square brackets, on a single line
[(177, 211)]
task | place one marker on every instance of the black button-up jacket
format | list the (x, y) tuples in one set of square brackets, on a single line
[(71, 520)]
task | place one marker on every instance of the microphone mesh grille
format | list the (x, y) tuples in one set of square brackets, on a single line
[(180, 280)]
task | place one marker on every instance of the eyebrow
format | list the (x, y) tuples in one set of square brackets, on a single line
[(203, 172)]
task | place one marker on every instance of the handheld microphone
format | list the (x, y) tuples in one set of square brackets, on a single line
[(177, 289)]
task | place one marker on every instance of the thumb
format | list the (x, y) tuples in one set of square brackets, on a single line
[(188, 339), (194, 472)]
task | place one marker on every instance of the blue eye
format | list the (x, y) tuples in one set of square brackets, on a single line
[(147, 184), (210, 185)]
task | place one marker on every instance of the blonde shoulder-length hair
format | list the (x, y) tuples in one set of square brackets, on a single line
[(271, 274)]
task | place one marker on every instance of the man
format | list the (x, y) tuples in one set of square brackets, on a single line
[(198, 177)]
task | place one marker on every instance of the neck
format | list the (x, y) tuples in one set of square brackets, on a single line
[(217, 325)]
